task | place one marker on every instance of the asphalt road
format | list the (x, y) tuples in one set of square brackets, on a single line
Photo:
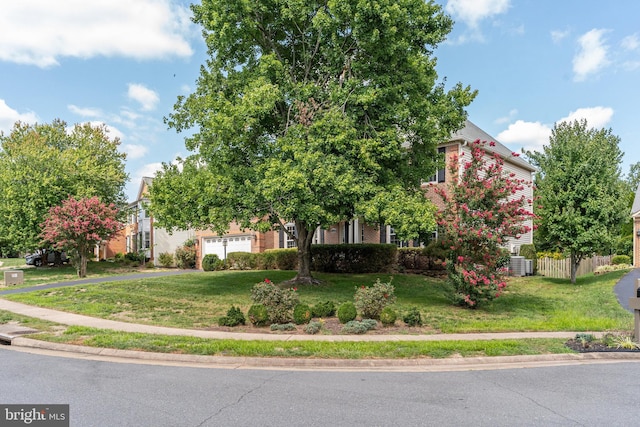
[(122, 394)]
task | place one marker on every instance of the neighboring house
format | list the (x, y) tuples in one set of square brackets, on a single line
[(635, 214), (140, 233)]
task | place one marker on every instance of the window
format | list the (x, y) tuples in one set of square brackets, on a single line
[(289, 241), (147, 239), (440, 175), (393, 239)]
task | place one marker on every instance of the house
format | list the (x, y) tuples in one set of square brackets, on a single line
[(356, 231), (635, 214), (141, 234)]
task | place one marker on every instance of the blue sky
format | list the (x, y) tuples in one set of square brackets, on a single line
[(124, 63)]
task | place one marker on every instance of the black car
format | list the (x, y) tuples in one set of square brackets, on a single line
[(38, 258)]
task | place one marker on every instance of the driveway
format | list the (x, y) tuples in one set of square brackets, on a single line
[(625, 286)]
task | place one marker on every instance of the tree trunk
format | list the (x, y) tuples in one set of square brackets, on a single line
[(304, 238), (575, 262)]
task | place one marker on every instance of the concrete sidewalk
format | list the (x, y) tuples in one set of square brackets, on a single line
[(94, 322)]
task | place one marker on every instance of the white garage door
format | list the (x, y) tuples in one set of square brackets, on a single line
[(215, 245)]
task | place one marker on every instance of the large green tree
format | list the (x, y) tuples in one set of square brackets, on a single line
[(311, 112), (43, 164), (580, 190)]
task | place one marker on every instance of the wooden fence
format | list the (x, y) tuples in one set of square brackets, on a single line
[(561, 268)]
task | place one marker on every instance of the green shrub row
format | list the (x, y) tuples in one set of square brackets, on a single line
[(361, 258)]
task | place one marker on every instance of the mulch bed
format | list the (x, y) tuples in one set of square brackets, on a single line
[(595, 347)]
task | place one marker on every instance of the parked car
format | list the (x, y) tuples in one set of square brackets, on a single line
[(38, 258)]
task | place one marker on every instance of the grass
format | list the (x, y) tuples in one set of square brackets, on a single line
[(196, 300), (42, 275), (12, 262), (322, 350)]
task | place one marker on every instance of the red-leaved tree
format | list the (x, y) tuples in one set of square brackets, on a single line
[(77, 226), (483, 208)]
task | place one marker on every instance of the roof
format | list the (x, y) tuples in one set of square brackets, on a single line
[(144, 187), (635, 209), (471, 133)]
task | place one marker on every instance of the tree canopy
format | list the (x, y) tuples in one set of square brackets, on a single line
[(42, 164), (77, 226), (580, 190), (311, 112)]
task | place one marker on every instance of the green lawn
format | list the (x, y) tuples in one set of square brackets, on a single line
[(197, 300), (42, 275)]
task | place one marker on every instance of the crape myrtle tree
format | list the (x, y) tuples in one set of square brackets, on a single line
[(483, 208), (580, 190), (42, 164), (77, 226), (308, 112)]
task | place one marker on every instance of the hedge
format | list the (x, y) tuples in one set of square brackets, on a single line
[(360, 258)]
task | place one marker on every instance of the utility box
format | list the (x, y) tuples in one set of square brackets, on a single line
[(13, 277), (528, 267), (634, 304), (517, 266)]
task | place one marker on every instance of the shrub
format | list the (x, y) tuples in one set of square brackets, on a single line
[(266, 260), (362, 258), (302, 314), (371, 300), (241, 260), (278, 302), (436, 253), (118, 257), (620, 259), (258, 315), (388, 316), (313, 328), (347, 312), (412, 317), (277, 259), (186, 257), (323, 309), (211, 262), (234, 317), (283, 327), (133, 257), (609, 268), (411, 259), (355, 327), (165, 259)]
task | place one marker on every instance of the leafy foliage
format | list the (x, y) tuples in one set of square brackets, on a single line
[(313, 328), (186, 256), (211, 262), (388, 316), (77, 226), (279, 302), (302, 314), (580, 191), (362, 258), (323, 309), (359, 327), (347, 312), (166, 259), (311, 113), (484, 208), (234, 317), (258, 315), (371, 300), (42, 165), (412, 317)]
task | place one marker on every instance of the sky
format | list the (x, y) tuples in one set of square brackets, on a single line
[(124, 63)]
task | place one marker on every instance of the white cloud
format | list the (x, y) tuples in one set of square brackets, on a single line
[(134, 151), (630, 42), (531, 136), (597, 117), (41, 32), (147, 98), (557, 36), (112, 132), (507, 118), (9, 116), (473, 11), (592, 56), (85, 112)]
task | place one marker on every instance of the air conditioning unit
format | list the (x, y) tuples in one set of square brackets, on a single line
[(518, 266), (528, 267)]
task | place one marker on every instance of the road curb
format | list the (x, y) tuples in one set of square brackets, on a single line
[(274, 363)]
